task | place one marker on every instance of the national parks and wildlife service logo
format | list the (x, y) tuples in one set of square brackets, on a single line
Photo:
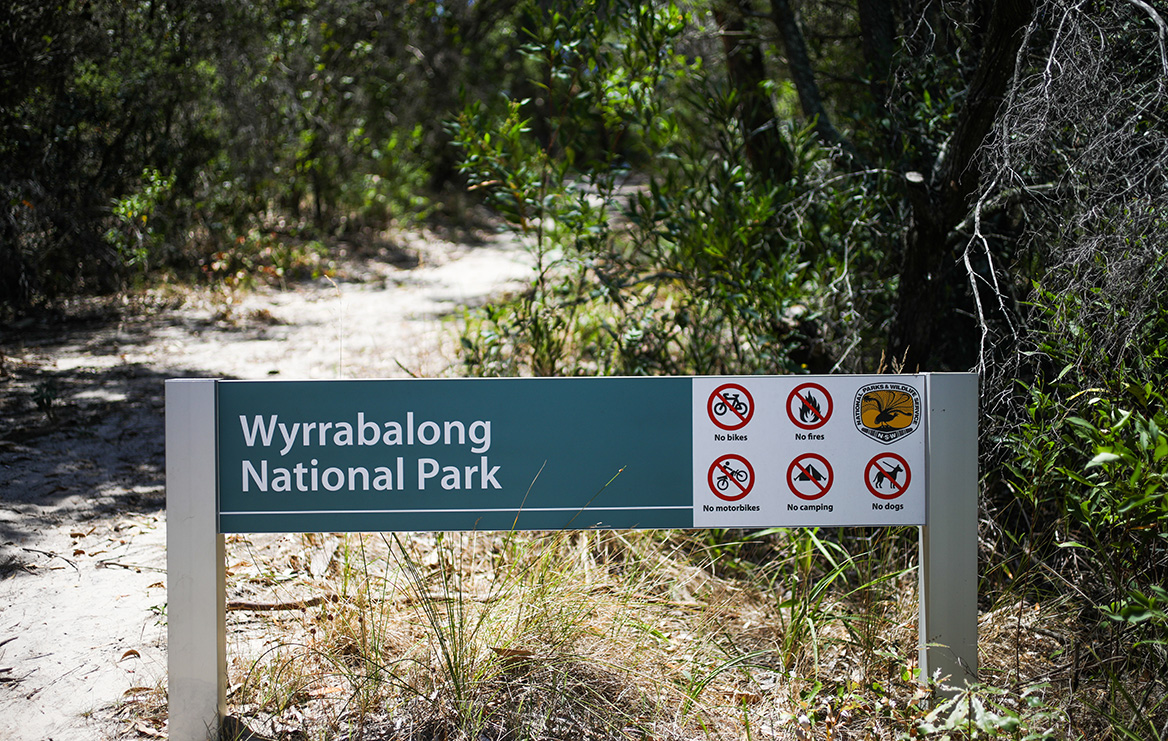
[(887, 412)]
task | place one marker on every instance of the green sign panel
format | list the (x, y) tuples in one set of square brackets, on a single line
[(454, 454)]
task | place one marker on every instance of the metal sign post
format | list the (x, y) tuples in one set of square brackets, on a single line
[(947, 572), (195, 586), (547, 454)]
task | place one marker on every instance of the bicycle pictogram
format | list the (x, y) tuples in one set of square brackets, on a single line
[(730, 406), (738, 474)]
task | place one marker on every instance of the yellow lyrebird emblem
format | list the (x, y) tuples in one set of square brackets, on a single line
[(887, 411)]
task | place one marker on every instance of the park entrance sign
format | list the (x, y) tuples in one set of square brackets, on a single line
[(557, 453), (569, 453)]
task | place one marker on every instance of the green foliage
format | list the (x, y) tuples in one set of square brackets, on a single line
[(699, 266), (46, 394), (211, 120), (1088, 475), (136, 234), (984, 712), (268, 259)]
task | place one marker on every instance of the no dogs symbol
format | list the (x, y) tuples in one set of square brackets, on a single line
[(887, 475)]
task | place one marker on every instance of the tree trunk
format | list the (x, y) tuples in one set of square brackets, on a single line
[(802, 74), (765, 149), (931, 278), (877, 39)]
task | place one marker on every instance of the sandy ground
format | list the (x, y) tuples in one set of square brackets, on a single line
[(82, 495)]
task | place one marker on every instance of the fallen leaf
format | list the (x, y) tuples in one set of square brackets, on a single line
[(137, 691), (157, 585), (131, 654), (146, 730), (512, 658), (324, 691)]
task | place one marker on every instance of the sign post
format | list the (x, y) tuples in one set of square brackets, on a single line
[(550, 454), (947, 571), (196, 634)]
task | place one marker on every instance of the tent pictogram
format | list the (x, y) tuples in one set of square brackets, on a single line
[(810, 476)]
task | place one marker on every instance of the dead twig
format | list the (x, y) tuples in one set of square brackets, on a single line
[(50, 554), (300, 604), (130, 566)]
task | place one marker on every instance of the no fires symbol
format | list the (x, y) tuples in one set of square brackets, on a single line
[(809, 406), (887, 475)]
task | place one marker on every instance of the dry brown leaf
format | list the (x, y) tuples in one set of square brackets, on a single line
[(146, 730), (512, 658), (137, 691), (324, 691), (131, 654)]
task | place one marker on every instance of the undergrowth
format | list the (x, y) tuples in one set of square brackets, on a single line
[(717, 634)]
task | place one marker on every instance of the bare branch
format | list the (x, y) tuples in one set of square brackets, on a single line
[(1161, 24)]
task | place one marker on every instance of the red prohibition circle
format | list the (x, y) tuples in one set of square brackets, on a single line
[(730, 406), (733, 487), (799, 408), (877, 475), (803, 469)]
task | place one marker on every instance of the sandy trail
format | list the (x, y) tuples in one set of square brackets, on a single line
[(82, 498)]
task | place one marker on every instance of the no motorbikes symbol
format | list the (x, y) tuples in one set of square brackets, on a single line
[(810, 476), (730, 406), (731, 477), (887, 475)]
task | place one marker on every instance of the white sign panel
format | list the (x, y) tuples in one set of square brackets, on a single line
[(783, 450)]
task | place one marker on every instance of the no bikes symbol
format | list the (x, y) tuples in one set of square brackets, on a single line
[(731, 477), (730, 406)]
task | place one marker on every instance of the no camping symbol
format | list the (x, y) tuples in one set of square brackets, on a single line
[(810, 476), (887, 475), (730, 406), (731, 477)]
